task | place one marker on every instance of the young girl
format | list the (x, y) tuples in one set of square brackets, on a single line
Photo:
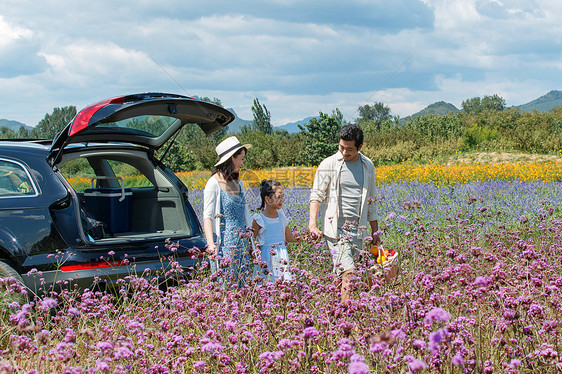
[(271, 231)]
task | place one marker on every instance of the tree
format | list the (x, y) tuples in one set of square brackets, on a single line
[(476, 105), (493, 102), (377, 112), (321, 136), (262, 118), (371, 117), (53, 123)]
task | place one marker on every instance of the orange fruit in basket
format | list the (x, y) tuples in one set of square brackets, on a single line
[(374, 250)]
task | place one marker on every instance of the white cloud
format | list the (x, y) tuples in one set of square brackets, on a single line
[(299, 58)]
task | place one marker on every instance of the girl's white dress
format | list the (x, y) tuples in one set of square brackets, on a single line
[(271, 239)]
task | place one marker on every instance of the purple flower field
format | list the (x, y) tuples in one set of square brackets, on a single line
[(478, 291)]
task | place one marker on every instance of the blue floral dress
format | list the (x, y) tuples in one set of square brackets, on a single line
[(234, 250)]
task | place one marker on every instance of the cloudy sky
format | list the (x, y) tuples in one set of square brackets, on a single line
[(297, 57)]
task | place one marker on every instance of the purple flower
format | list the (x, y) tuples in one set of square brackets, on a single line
[(212, 347), (123, 352), (414, 363), (435, 339), (230, 325), (199, 364), (269, 358), (390, 216), (47, 304), (378, 347), (102, 366), (398, 334), (436, 314), (284, 343), (482, 281), (419, 344), (104, 345), (457, 359), (310, 332), (73, 312), (358, 367)]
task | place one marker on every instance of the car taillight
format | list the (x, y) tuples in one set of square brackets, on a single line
[(92, 265), (83, 117)]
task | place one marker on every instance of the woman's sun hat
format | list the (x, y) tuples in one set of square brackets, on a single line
[(228, 147)]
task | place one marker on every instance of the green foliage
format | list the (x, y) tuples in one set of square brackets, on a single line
[(483, 124), (262, 118), (53, 123), (272, 150), (377, 112), (321, 137), (373, 117), (476, 135), (477, 105)]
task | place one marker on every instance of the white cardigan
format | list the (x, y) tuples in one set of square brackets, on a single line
[(212, 205), (326, 190)]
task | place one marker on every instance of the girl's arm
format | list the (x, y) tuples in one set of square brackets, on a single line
[(289, 236)]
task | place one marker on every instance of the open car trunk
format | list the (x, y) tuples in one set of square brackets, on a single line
[(124, 196)]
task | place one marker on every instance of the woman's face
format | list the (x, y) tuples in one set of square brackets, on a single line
[(238, 160)]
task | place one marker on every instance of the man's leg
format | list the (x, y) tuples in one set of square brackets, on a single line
[(346, 285), (344, 265)]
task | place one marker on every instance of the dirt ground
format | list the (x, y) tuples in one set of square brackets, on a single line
[(502, 157)]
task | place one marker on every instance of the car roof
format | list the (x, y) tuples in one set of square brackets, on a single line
[(25, 145)]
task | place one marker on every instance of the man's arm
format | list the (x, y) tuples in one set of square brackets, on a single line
[(312, 221), (375, 229)]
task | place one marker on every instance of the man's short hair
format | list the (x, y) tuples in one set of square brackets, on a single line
[(352, 132)]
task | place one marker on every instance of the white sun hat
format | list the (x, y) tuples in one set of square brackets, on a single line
[(229, 147)]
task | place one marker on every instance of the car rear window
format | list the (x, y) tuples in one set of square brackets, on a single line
[(148, 125), (15, 180)]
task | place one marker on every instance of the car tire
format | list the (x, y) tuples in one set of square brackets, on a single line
[(10, 291)]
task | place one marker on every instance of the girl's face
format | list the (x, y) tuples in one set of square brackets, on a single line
[(238, 160), (276, 200)]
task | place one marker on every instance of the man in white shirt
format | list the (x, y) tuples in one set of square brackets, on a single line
[(341, 195)]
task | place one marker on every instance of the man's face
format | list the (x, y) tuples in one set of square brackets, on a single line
[(348, 149)]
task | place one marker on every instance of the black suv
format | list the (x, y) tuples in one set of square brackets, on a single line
[(54, 233)]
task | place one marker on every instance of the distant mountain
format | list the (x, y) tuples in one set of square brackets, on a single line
[(293, 127), (544, 103), (13, 125), (237, 124), (439, 108)]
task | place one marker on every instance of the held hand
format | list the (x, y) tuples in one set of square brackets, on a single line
[(211, 250), (315, 233), (376, 239)]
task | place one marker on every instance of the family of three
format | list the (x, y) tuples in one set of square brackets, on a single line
[(340, 196)]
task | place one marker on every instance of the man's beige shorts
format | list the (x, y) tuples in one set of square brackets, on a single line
[(344, 252)]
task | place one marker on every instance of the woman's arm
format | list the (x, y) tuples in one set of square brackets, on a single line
[(255, 228), (210, 196), (208, 228)]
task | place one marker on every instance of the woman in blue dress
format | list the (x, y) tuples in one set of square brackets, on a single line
[(226, 215)]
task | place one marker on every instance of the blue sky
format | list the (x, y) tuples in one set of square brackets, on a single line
[(298, 58)]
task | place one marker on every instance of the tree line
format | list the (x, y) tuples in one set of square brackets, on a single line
[(482, 124)]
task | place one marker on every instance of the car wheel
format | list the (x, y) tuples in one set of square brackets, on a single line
[(12, 287)]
